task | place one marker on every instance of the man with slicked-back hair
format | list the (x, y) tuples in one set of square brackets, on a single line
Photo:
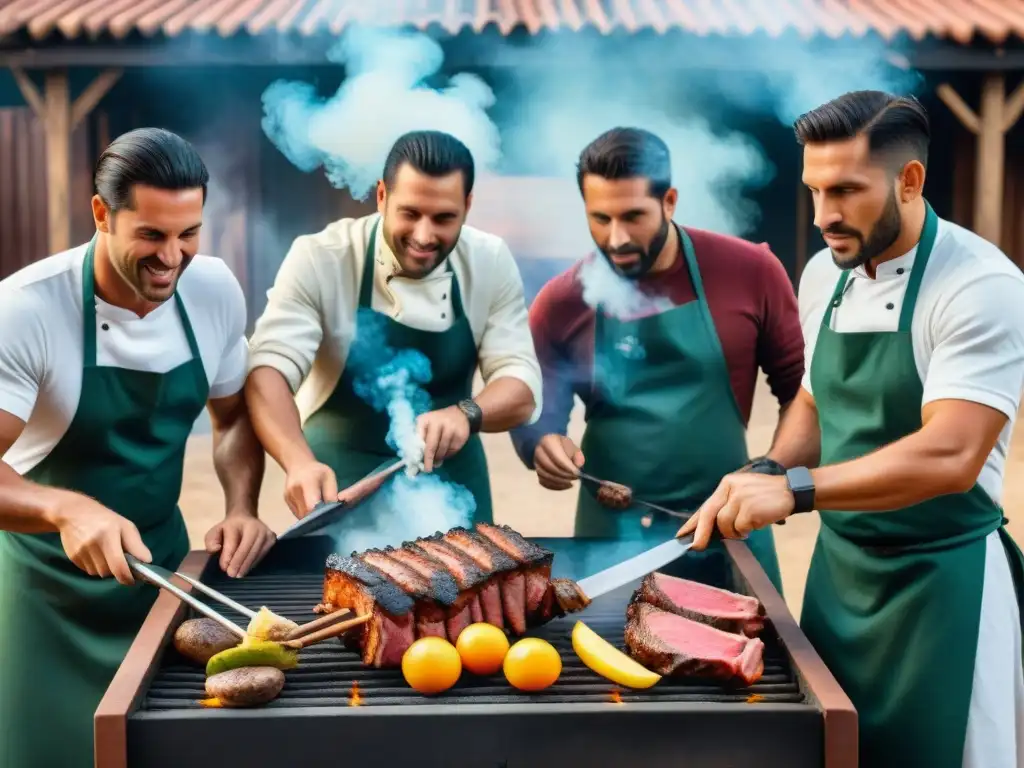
[(420, 282), (109, 352), (915, 350)]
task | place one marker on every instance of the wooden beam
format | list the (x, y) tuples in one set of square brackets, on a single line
[(58, 159), (93, 95), (1013, 109), (959, 107), (988, 200), (29, 92)]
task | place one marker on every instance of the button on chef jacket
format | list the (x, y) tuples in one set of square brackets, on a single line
[(968, 341)]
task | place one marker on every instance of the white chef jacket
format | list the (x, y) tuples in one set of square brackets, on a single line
[(968, 339), (307, 327)]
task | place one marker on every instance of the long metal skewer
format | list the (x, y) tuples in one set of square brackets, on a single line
[(217, 595)]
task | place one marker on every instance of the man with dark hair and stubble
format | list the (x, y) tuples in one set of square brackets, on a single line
[(109, 353), (415, 277), (915, 349), (668, 381)]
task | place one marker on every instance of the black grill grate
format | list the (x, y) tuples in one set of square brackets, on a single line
[(327, 671)]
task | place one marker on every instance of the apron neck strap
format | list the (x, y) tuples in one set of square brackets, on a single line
[(924, 250), (89, 311), (366, 284), (690, 256)]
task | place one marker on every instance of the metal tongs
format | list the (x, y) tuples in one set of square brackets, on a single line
[(305, 634)]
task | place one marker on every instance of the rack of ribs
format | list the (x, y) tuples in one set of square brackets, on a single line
[(440, 584)]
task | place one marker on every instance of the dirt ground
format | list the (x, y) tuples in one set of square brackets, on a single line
[(520, 501)]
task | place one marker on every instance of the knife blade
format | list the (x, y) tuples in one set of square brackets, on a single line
[(327, 512), (634, 568)]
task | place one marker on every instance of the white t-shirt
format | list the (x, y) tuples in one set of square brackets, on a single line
[(967, 328), (41, 342)]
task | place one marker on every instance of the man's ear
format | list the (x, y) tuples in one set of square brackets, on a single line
[(911, 181), (102, 217), (382, 194)]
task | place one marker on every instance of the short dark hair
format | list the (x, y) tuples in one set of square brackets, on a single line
[(896, 126), (152, 157), (628, 153), (434, 153)]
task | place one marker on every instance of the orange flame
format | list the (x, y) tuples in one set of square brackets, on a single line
[(754, 698), (214, 703), (355, 699), (615, 697)]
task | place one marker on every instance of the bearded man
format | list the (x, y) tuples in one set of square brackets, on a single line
[(661, 335), (411, 291)]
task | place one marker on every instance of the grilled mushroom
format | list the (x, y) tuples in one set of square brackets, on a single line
[(614, 495)]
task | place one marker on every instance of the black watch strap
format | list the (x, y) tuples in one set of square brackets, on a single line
[(801, 485), (473, 413)]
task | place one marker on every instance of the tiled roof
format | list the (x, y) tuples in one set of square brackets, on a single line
[(959, 20)]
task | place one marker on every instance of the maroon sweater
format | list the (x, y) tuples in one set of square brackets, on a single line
[(752, 303)]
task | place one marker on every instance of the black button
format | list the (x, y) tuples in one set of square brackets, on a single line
[(890, 305), (900, 271), (443, 315), (444, 296), (105, 327)]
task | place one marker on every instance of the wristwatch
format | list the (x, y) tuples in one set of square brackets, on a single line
[(473, 413), (801, 485)]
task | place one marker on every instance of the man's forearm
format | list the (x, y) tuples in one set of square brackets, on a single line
[(506, 403), (275, 418), (26, 507), (797, 440), (903, 473), (238, 458)]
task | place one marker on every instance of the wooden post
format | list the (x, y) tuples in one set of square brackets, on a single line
[(802, 224), (997, 114), (60, 116)]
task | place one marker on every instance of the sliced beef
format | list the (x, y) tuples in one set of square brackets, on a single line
[(719, 608), (468, 576), (504, 595), (351, 583), (429, 613), (670, 644), (534, 562)]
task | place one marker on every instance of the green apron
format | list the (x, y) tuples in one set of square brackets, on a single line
[(64, 633), (893, 599), (350, 436), (664, 421)]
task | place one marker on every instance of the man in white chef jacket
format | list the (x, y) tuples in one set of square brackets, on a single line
[(411, 281), (915, 346)]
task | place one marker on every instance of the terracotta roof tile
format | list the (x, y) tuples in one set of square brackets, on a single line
[(959, 20)]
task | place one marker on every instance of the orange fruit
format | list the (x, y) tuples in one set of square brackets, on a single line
[(532, 664), (482, 648), (431, 665)]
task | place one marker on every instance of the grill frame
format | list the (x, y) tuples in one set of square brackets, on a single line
[(702, 727)]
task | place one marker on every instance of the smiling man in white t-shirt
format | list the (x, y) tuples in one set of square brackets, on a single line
[(108, 354)]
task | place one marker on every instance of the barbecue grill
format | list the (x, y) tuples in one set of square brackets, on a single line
[(332, 707)]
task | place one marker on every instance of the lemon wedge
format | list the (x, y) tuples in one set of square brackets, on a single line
[(608, 661)]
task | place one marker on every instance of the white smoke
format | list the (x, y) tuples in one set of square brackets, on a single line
[(382, 97)]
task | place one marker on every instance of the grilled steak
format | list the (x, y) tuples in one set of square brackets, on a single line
[(501, 595), (351, 583), (716, 607), (614, 495), (440, 584), (535, 564), (670, 644)]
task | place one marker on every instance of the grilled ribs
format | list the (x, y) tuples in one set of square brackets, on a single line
[(439, 584)]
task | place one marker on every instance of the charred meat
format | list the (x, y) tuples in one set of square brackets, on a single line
[(440, 584), (719, 608), (670, 644), (614, 495)]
